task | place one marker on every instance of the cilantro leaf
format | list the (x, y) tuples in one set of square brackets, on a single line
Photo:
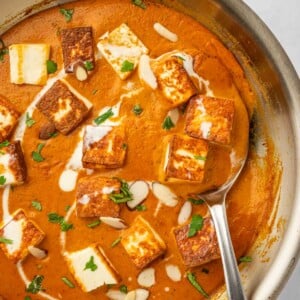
[(4, 144), (29, 121), (37, 205), (116, 242), (67, 13), (36, 155), (200, 157), (51, 66), (94, 224), (35, 285), (127, 66), (102, 118), (195, 225), (192, 279), (137, 109), (88, 65), (245, 259), (57, 219), (196, 201), (68, 282), (4, 240), (2, 180), (168, 123), (91, 265), (124, 196), (3, 50), (123, 289), (141, 207), (139, 3)]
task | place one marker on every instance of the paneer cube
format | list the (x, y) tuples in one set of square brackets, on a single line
[(64, 106), (91, 268), (77, 46), (92, 197), (103, 147), (173, 80), (199, 249), (28, 63), (210, 118), (122, 49), (21, 233), (142, 243), (8, 118), (12, 164), (184, 159)]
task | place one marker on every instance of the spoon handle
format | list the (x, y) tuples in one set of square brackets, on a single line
[(231, 271)]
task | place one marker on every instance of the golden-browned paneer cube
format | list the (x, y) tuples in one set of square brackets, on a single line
[(8, 118), (64, 106), (210, 118), (122, 49), (200, 248), (142, 243), (91, 268), (19, 233), (92, 197), (12, 164), (174, 81), (103, 147), (185, 159), (78, 47)]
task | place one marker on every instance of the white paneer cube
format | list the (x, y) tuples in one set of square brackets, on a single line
[(91, 269), (122, 49), (19, 233), (28, 63)]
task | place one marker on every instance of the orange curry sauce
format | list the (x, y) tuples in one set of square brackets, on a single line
[(249, 202)]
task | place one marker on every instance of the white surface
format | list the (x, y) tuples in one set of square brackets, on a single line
[(283, 18)]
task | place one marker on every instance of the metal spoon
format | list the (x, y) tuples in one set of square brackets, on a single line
[(216, 202)]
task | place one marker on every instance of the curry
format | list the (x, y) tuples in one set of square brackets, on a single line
[(117, 142)]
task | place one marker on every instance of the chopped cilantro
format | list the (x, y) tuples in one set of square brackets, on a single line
[(3, 50), (29, 121), (141, 207), (94, 91), (192, 279), (88, 65), (51, 66), (200, 157), (102, 118), (57, 219), (37, 205), (124, 196), (179, 57), (2, 180), (4, 144), (94, 224), (53, 134), (127, 66), (91, 265), (116, 242), (137, 109), (196, 201), (123, 289), (27, 298), (139, 3), (35, 285), (67, 13), (245, 259), (168, 124), (67, 207), (124, 146), (68, 282), (36, 155), (3, 240), (196, 225)]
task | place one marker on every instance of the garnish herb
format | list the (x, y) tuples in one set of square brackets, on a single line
[(3, 50), (2, 180), (180, 57), (102, 118), (196, 201), (35, 285), (67, 282), (110, 285), (51, 66), (29, 121), (94, 224), (137, 109), (4, 144), (200, 157), (141, 207), (168, 124), (139, 3), (53, 134), (91, 265), (67, 13), (36, 155), (37, 205), (67, 207), (27, 298), (57, 219), (127, 66), (94, 91), (245, 259), (116, 242), (196, 225), (123, 289), (3, 240), (88, 65), (124, 196), (124, 146), (192, 279)]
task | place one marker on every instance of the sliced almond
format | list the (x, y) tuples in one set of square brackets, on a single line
[(185, 213), (113, 222), (166, 33), (147, 277), (139, 190), (174, 115), (141, 294), (173, 272), (115, 295), (145, 72), (131, 296), (37, 252), (164, 194), (80, 72)]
